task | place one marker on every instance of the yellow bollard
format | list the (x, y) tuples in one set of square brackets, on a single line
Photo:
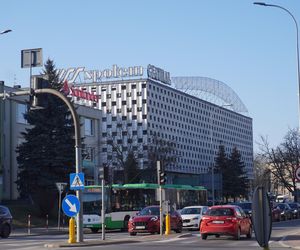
[(168, 225), (72, 230)]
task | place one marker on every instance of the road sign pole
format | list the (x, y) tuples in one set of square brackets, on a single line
[(59, 208), (103, 211)]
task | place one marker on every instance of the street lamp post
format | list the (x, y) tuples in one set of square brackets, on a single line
[(297, 44), (212, 153)]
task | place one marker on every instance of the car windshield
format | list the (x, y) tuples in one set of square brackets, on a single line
[(150, 211), (191, 210), (293, 205), (220, 212)]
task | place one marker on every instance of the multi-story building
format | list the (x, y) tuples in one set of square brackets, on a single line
[(129, 112)]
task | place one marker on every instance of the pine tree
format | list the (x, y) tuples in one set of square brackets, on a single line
[(131, 170), (47, 154), (240, 180)]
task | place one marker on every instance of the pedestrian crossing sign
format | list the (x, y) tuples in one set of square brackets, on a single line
[(76, 181)]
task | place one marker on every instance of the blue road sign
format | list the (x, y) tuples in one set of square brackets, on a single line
[(70, 205), (76, 181)]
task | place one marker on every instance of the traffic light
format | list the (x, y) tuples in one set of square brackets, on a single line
[(161, 175), (41, 101)]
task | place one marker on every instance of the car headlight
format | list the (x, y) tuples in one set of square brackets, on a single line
[(155, 218)]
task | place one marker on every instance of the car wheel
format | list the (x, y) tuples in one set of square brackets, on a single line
[(204, 236), (238, 234), (132, 233), (179, 228), (5, 231), (94, 230), (249, 234), (125, 224)]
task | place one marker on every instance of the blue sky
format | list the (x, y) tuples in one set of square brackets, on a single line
[(250, 48)]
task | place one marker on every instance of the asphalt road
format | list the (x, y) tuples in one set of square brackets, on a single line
[(285, 235)]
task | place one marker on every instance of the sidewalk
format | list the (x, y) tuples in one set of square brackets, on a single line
[(38, 231)]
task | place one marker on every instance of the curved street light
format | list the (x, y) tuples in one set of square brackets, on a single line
[(5, 31), (298, 66)]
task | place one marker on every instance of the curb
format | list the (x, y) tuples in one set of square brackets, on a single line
[(91, 243)]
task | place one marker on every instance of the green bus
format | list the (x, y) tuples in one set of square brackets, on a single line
[(124, 201)]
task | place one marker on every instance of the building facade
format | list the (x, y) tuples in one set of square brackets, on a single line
[(131, 110)]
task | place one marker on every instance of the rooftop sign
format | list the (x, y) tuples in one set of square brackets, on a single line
[(72, 74)]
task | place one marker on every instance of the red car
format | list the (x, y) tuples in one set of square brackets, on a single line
[(226, 220), (147, 221)]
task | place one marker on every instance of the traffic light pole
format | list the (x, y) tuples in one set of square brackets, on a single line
[(75, 117), (160, 198)]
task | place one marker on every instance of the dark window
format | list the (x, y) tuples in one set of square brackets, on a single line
[(129, 109), (103, 104), (128, 94), (119, 110), (124, 118), (114, 118), (144, 85), (104, 119), (113, 103), (134, 117), (134, 132), (123, 102), (133, 102), (133, 86), (123, 87), (140, 140), (119, 95), (139, 93), (144, 101), (144, 116)]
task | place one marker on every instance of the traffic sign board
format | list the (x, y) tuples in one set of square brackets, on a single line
[(76, 181), (297, 174), (70, 205), (261, 216)]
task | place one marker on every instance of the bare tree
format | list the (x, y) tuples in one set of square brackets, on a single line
[(262, 176), (283, 160)]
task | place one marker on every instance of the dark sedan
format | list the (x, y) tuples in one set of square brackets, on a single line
[(5, 222), (286, 211), (295, 209)]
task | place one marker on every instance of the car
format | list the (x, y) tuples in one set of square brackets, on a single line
[(225, 220), (148, 221), (276, 212), (295, 206), (192, 215), (5, 222), (246, 206), (286, 211)]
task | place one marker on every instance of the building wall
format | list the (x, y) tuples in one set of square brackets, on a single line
[(133, 111)]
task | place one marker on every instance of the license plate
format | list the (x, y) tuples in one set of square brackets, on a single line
[(218, 222), (140, 227)]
